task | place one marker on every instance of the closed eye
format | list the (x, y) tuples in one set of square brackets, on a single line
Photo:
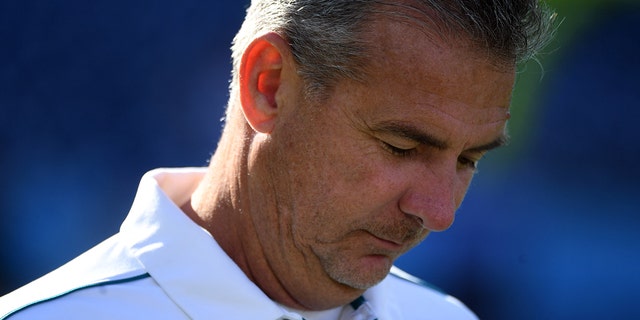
[(467, 163), (397, 151)]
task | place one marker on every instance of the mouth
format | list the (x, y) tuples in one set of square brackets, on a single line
[(386, 244), (392, 244)]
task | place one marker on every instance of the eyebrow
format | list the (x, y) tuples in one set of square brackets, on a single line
[(502, 140), (410, 132)]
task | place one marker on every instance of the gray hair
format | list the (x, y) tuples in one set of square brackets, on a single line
[(326, 35)]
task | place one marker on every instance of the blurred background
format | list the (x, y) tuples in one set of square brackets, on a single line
[(95, 93)]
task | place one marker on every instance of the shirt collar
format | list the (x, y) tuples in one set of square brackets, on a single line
[(183, 258), (186, 261)]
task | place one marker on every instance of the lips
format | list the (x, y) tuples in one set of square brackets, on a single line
[(389, 241), (396, 237), (382, 245)]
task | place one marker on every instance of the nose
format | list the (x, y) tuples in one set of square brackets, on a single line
[(432, 198)]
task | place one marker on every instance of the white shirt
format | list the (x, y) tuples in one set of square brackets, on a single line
[(161, 265)]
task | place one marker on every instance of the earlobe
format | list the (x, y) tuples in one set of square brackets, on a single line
[(260, 78)]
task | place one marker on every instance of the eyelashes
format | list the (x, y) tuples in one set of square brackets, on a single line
[(463, 161), (468, 163), (396, 151)]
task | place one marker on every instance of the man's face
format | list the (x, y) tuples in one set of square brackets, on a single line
[(352, 183)]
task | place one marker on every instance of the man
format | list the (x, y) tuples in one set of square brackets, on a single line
[(353, 130)]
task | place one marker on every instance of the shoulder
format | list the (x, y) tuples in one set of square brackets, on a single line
[(417, 299), (106, 273)]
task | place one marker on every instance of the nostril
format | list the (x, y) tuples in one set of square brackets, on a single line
[(419, 221), (434, 220)]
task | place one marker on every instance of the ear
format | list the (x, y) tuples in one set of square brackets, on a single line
[(260, 75)]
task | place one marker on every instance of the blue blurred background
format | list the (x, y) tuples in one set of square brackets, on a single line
[(95, 93)]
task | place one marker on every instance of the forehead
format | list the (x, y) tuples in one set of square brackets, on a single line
[(406, 54)]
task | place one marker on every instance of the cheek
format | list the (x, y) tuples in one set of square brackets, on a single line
[(333, 176), (341, 188), (355, 172)]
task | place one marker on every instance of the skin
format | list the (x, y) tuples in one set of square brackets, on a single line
[(315, 201)]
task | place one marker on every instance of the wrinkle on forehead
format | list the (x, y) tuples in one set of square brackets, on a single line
[(460, 111)]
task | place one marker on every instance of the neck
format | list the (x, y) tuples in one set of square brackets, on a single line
[(218, 204), (236, 204), (221, 204)]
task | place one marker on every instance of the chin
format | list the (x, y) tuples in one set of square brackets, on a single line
[(370, 270)]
